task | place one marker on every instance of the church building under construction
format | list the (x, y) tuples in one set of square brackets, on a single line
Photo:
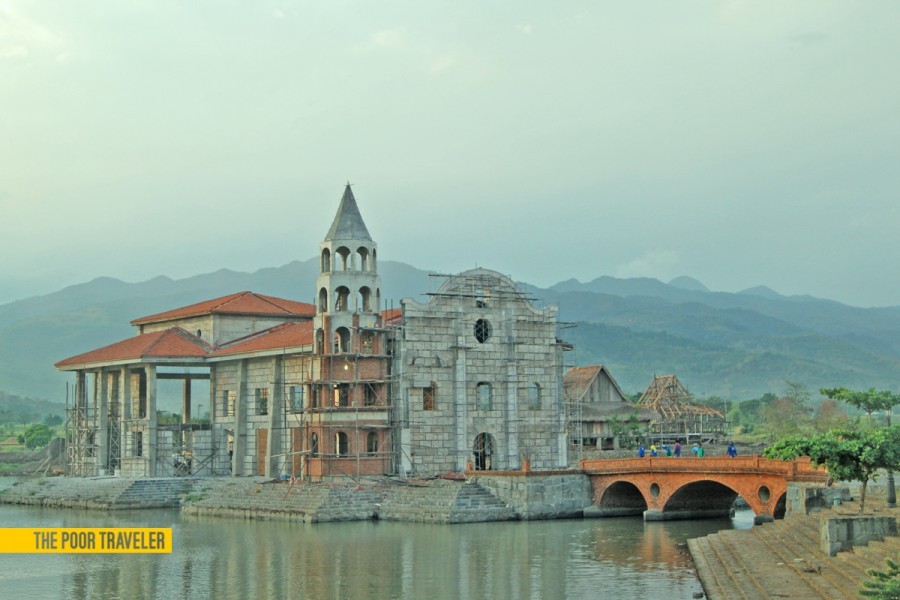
[(470, 379)]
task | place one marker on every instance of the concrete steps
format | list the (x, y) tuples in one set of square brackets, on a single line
[(163, 492), (805, 557), (715, 581), (784, 559), (443, 502)]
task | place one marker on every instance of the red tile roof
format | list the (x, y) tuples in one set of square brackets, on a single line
[(392, 316), (174, 342), (286, 335), (242, 303)]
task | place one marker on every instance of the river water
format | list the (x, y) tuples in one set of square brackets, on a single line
[(592, 558)]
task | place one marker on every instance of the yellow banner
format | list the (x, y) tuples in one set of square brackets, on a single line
[(105, 540)]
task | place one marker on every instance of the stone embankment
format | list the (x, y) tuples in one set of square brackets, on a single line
[(427, 501), (98, 493), (786, 558)]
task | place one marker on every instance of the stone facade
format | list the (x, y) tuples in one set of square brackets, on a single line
[(479, 379)]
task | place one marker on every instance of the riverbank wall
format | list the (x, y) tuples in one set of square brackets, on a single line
[(500, 496)]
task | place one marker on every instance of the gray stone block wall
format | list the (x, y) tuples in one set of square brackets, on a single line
[(439, 345), (842, 533), (539, 496)]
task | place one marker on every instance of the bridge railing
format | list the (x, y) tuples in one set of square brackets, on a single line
[(801, 469)]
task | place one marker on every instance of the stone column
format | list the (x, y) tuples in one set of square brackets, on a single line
[(186, 400), (276, 411), (125, 441), (463, 451), (240, 421), (150, 447), (213, 394), (102, 383), (512, 416)]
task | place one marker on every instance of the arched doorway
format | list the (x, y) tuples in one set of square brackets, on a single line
[(483, 449)]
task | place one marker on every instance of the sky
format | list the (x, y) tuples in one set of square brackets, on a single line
[(740, 143)]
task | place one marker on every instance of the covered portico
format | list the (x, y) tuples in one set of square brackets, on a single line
[(112, 423)]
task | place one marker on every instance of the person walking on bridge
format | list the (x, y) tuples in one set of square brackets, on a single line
[(641, 451), (677, 448), (732, 451)]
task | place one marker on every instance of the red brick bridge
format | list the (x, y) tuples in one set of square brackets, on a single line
[(665, 488)]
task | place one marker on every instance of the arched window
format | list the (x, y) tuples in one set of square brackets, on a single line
[(341, 340), (341, 297), (341, 444), (342, 259), (428, 396), (534, 396), (326, 260), (363, 254), (314, 444), (323, 300), (484, 395), (365, 299), (372, 442), (483, 449)]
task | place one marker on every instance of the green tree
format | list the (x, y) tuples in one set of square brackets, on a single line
[(869, 401), (52, 420), (848, 455), (885, 584), (37, 436)]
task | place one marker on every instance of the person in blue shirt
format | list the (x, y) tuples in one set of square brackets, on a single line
[(667, 449), (732, 451), (641, 451), (653, 450)]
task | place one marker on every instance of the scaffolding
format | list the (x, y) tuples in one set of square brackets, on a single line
[(321, 404), (679, 417), (81, 427)]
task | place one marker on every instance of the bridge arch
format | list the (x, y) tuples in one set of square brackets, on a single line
[(622, 499), (694, 488)]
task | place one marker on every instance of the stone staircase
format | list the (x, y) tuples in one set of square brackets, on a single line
[(441, 501), (164, 492), (784, 559)]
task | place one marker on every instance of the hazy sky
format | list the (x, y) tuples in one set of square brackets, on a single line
[(741, 143)]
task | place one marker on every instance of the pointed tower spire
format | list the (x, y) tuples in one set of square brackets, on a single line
[(348, 223), (348, 288)]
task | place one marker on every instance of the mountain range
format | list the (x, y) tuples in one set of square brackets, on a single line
[(732, 345)]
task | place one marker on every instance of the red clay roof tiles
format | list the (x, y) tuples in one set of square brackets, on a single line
[(169, 343), (286, 335), (242, 303)]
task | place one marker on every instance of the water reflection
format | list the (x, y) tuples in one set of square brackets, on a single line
[(237, 559)]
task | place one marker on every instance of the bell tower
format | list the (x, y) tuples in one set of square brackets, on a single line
[(348, 288)]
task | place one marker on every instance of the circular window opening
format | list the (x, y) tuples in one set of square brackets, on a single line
[(654, 490), (482, 330), (764, 494)]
